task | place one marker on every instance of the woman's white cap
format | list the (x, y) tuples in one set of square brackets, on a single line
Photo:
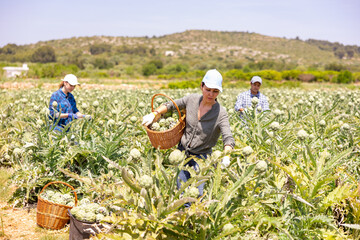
[(71, 78), (213, 79)]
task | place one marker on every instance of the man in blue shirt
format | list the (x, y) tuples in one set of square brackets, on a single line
[(62, 103), (244, 99)]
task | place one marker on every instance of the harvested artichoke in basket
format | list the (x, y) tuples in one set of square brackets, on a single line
[(166, 122), (58, 197)]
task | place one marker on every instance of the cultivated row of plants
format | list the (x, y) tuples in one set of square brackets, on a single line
[(156, 69), (293, 174)]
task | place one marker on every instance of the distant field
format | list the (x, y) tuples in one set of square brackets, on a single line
[(157, 84)]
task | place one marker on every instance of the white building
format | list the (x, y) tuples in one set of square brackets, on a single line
[(15, 71), (169, 53)]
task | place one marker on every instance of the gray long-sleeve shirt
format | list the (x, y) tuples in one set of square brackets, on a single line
[(201, 135)]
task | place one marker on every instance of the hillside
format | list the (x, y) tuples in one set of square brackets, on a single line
[(193, 49)]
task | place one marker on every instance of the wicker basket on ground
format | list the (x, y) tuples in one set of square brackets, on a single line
[(169, 138), (52, 215)]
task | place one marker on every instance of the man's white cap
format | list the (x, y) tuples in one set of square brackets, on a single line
[(71, 78), (213, 79), (255, 79)]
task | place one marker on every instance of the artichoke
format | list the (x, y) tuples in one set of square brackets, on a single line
[(228, 227), (261, 166), (135, 153), (155, 126), (302, 134), (84, 201), (254, 101), (99, 217), (176, 157), (216, 154), (247, 151), (90, 217), (192, 192), (274, 126), (146, 181), (133, 119)]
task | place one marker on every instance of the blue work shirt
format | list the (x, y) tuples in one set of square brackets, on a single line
[(66, 104)]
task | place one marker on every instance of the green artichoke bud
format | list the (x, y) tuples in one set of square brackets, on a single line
[(322, 123), (162, 122), (155, 126), (102, 210), (261, 166), (176, 157), (141, 105), (90, 217), (228, 227), (84, 201), (216, 154), (302, 134), (135, 153), (247, 151), (133, 119), (67, 197), (146, 181), (110, 123), (95, 103), (274, 126), (254, 101), (192, 192), (99, 217)]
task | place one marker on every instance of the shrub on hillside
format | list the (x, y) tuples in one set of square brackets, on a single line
[(101, 74), (99, 48), (344, 77), (356, 76), (102, 63), (9, 49), (176, 68), (44, 54), (148, 69), (184, 84), (290, 74), (235, 74), (157, 62), (335, 67), (51, 70), (267, 74), (151, 67)]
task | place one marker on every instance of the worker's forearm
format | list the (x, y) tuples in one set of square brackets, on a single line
[(62, 115), (161, 109)]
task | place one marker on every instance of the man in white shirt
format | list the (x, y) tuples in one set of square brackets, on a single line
[(244, 99)]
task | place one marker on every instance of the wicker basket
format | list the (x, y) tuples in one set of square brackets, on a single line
[(169, 138), (52, 215)]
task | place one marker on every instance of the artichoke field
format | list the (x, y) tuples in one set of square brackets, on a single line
[(294, 172)]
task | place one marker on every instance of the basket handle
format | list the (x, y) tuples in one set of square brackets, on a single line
[(64, 184), (161, 94)]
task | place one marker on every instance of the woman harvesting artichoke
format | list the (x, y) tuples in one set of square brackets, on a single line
[(62, 103), (205, 121)]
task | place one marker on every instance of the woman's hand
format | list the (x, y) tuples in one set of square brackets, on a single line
[(154, 116), (148, 119), (227, 149)]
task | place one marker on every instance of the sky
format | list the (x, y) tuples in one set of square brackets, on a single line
[(30, 21)]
